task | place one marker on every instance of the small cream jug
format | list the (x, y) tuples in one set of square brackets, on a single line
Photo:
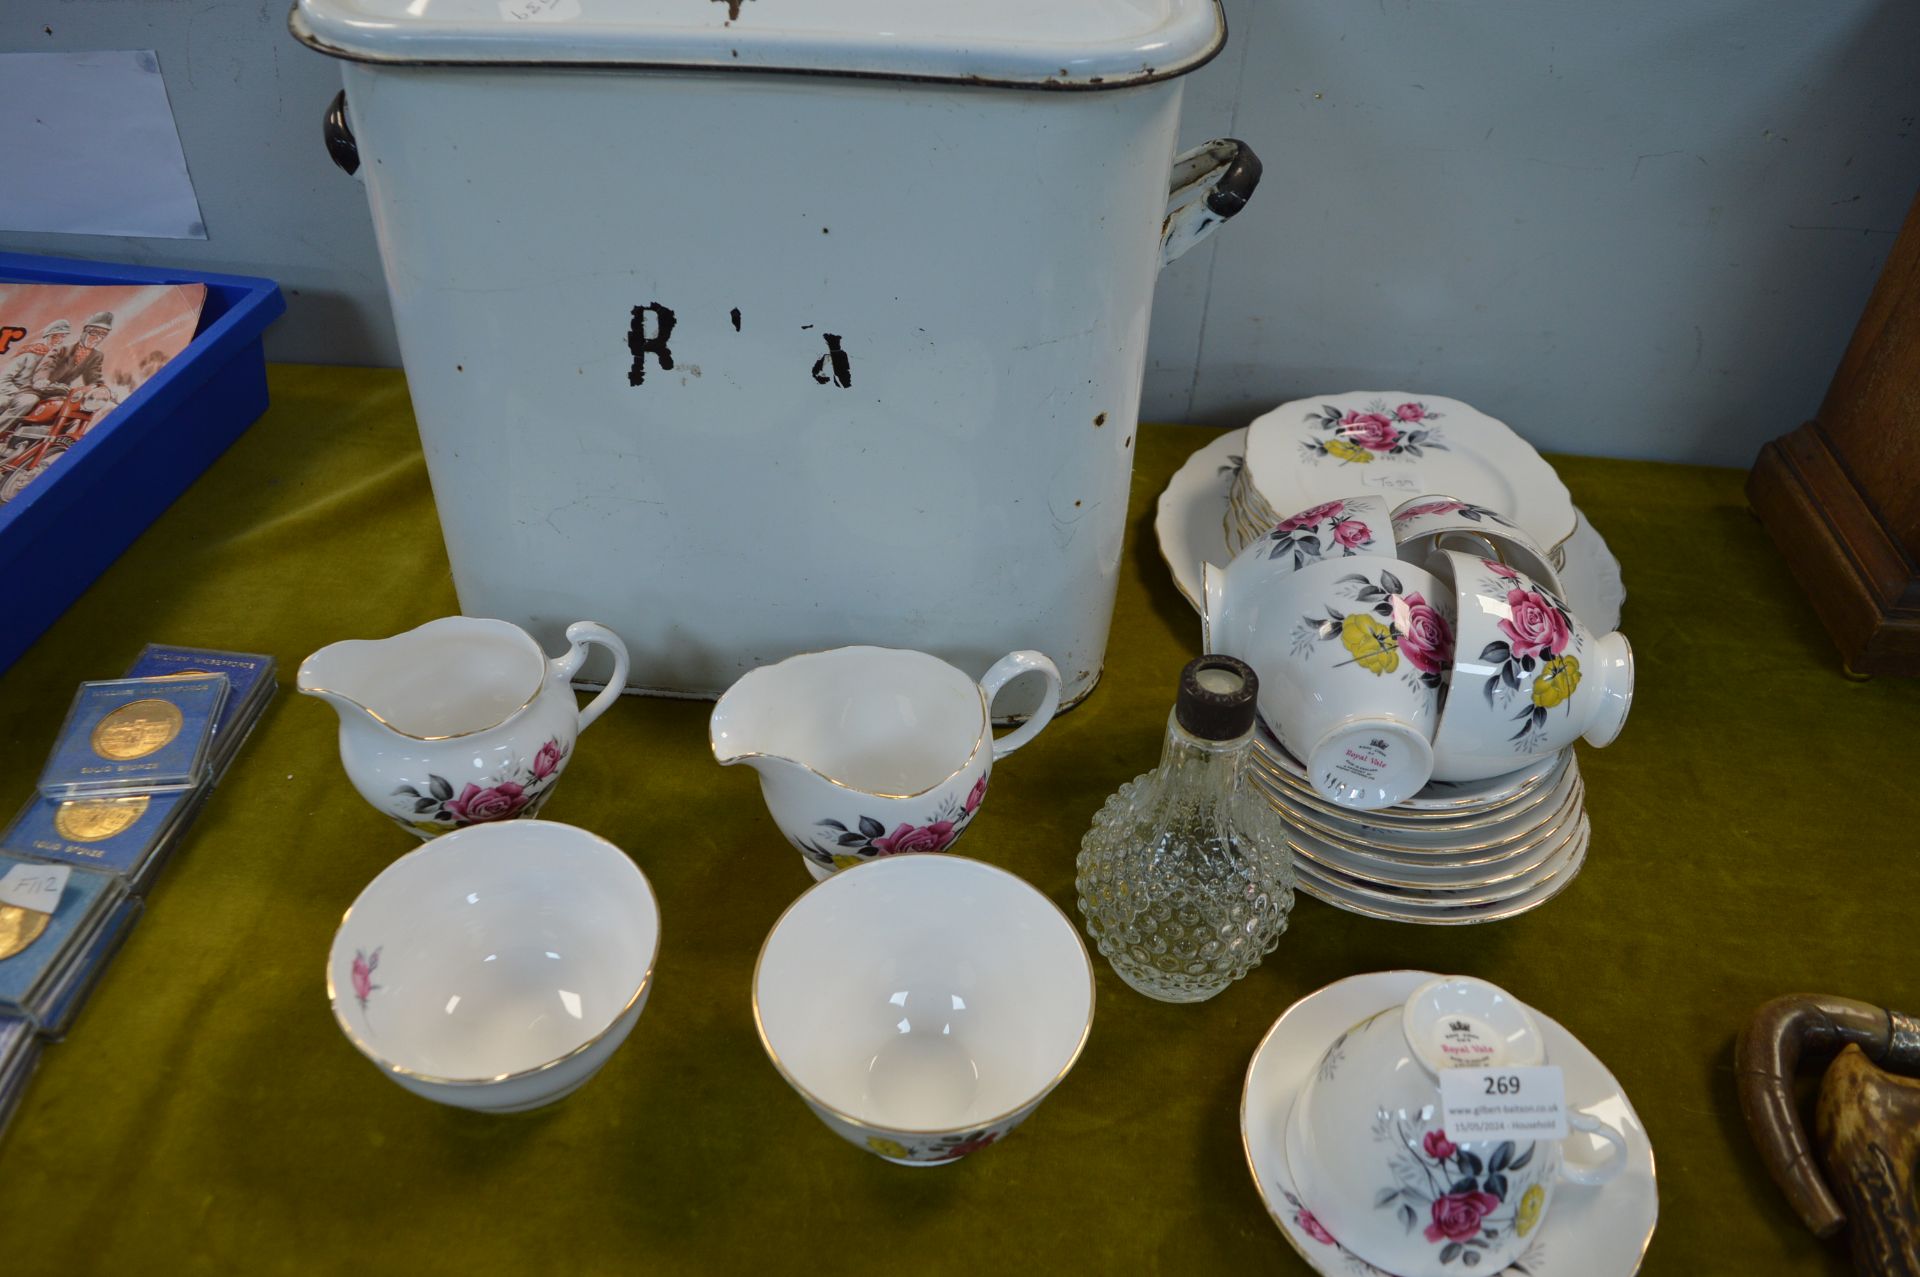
[(872, 751), (461, 721)]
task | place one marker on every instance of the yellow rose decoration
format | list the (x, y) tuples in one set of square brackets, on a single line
[(894, 1148), (1559, 675), (1528, 1213), (1372, 644), (842, 860), (1348, 450)]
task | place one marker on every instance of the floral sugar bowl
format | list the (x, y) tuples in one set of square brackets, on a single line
[(461, 721)]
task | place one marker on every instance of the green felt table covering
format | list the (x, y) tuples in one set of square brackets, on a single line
[(1753, 835)]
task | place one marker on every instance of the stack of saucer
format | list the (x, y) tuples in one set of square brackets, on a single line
[(1474, 851)]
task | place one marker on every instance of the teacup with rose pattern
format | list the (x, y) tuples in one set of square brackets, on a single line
[(1372, 1157), (1433, 522), (1528, 678), (1352, 652)]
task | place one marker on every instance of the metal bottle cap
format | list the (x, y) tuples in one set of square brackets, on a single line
[(1218, 696)]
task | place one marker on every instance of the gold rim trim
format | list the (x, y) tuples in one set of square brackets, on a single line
[(1526, 800), (1246, 1141), (301, 685), (1560, 797), (1086, 1029), (315, 689), (1555, 799), (1534, 857), (401, 1070), (1273, 756), (1492, 891), (983, 737), (1525, 902), (1571, 847)]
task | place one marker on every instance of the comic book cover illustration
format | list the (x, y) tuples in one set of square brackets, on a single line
[(70, 354)]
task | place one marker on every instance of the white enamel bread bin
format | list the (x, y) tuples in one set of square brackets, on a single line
[(756, 327)]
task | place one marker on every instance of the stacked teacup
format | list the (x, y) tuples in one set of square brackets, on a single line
[(1422, 681)]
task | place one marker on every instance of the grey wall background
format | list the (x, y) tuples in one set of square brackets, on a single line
[(1630, 228)]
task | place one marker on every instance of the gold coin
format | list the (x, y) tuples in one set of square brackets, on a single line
[(20, 928), (137, 729), (93, 819)]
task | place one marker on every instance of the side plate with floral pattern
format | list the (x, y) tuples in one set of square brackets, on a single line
[(1190, 530), (1589, 1232), (1402, 445)]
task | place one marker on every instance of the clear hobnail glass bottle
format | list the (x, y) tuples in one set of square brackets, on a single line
[(1185, 878)]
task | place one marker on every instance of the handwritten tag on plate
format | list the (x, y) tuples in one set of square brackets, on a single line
[(36, 887), (1504, 1104)]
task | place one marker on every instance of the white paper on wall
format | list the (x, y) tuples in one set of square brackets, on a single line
[(89, 147)]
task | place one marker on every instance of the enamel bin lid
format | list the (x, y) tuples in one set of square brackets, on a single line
[(1051, 44)]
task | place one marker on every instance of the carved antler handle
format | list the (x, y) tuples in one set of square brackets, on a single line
[(1765, 1058)]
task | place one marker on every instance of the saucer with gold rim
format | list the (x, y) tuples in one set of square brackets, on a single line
[(1590, 1233)]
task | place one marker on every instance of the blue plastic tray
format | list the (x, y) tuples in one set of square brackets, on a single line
[(64, 530)]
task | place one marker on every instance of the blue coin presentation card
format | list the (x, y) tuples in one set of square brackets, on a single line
[(243, 670), (64, 1001), (113, 832), (35, 943), (146, 734)]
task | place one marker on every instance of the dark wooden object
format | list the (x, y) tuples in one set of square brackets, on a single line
[(1841, 495)]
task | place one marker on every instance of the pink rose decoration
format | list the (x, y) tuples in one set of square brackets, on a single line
[(1425, 639), (476, 805), (973, 798), (964, 1147), (1500, 570), (1307, 518), (1456, 1217), (905, 837), (1411, 412), (1537, 628), (547, 761), (1370, 430), (1429, 507), (1314, 1228), (363, 968), (1352, 533), (1438, 1146)]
